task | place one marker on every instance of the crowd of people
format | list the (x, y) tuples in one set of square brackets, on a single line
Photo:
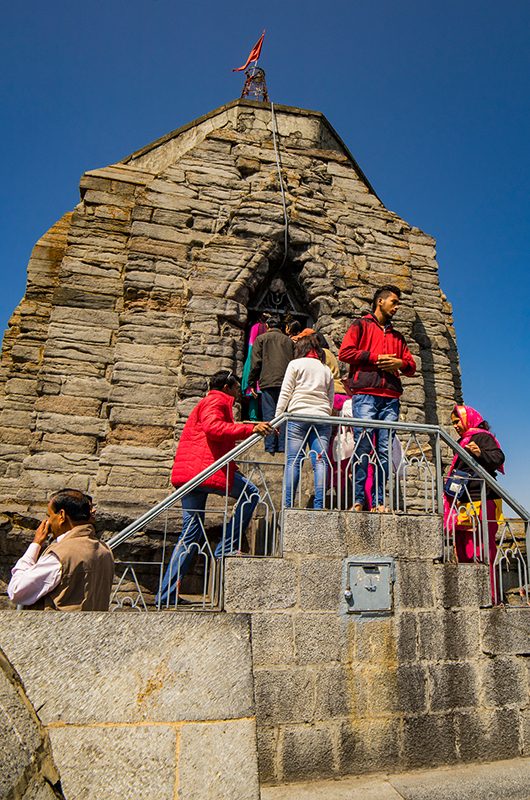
[(294, 371)]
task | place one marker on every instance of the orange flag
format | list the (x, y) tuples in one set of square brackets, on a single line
[(254, 54)]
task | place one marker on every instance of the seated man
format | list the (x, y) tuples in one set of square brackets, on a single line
[(76, 571), (209, 433)]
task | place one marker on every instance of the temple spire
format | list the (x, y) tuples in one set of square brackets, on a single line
[(255, 87)]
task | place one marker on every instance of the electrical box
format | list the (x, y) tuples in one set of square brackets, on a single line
[(368, 584)]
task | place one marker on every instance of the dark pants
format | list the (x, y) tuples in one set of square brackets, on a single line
[(193, 540), (274, 443)]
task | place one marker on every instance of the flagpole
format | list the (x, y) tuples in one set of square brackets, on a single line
[(255, 86), (264, 31)]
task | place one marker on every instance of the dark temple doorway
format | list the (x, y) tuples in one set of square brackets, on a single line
[(281, 295)]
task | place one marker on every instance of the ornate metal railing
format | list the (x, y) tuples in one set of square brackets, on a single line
[(341, 459)]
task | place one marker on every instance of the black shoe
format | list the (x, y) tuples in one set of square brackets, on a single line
[(181, 601), (174, 603)]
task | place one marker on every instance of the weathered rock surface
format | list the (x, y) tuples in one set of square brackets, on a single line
[(27, 769)]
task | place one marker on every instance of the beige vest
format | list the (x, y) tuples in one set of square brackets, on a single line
[(87, 572), (333, 364)]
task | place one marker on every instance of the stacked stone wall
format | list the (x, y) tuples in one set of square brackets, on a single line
[(443, 679), (150, 706), (143, 291)]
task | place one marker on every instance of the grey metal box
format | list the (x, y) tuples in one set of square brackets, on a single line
[(368, 584)]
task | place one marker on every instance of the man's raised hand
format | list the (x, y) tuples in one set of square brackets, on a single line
[(42, 532)]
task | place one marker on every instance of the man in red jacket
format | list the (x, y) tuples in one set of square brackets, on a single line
[(209, 433), (376, 353)]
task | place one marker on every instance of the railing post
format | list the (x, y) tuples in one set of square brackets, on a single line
[(527, 539), (163, 560), (439, 475), (390, 470), (284, 487), (484, 523), (338, 468)]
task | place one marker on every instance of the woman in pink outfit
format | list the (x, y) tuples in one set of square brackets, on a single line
[(253, 402), (476, 437)]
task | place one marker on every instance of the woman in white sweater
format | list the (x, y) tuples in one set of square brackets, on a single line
[(307, 389)]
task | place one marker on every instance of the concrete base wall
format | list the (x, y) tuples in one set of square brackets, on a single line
[(150, 706), (442, 679), (183, 704)]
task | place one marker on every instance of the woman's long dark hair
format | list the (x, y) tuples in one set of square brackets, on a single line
[(308, 344)]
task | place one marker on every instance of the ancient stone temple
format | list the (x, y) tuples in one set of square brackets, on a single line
[(149, 285), (357, 645)]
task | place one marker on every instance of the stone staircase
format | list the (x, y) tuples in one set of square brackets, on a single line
[(286, 693)]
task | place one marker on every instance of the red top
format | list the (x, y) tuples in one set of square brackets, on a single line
[(365, 340), (209, 433)]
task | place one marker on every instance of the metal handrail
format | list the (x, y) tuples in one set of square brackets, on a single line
[(173, 498), (480, 472), (246, 444)]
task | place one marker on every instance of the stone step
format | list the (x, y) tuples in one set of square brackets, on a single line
[(495, 780)]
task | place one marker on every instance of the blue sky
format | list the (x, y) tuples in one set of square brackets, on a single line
[(431, 98)]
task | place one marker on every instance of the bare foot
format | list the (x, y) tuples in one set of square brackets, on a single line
[(357, 507)]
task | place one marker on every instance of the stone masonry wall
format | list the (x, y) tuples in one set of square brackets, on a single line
[(144, 706), (443, 679), (142, 291), (182, 704)]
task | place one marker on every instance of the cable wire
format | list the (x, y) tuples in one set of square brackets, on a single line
[(275, 138)]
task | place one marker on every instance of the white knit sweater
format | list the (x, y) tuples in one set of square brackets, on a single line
[(307, 388)]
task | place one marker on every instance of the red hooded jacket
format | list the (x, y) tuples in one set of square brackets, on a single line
[(364, 341), (209, 433)]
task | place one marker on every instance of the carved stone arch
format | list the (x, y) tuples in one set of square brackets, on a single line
[(282, 293)]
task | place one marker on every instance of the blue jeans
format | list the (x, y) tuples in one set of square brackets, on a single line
[(298, 435), (368, 406), (189, 543), (274, 442)]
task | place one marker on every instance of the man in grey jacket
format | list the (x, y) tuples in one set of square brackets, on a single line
[(271, 353)]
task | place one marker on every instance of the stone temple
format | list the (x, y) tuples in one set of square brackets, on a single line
[(150, 283), (133, 299)]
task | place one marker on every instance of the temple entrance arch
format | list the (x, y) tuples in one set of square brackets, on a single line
[(281, 294)]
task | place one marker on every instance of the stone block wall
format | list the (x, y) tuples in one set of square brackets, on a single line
[(284, 685), (444, 678), (150, 706)]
